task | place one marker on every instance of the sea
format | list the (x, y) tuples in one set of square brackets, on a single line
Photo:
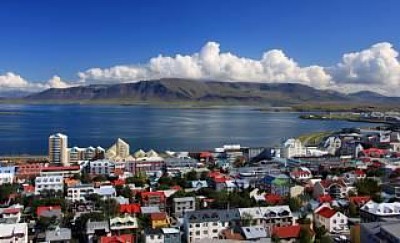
[(24, 129)]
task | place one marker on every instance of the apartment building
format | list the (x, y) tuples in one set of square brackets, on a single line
[(182, 205), (58, 149), (55, 183)]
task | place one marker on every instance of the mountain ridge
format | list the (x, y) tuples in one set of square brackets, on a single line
[(188, 90)]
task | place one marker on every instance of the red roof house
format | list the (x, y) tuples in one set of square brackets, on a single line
[(125, 238), (287, 232), (132, 208)]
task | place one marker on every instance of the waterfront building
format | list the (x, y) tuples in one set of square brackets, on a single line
[(118, 151), (102, 167), (76, 154), (58, 149)]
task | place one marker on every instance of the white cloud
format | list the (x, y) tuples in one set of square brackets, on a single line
[(211, 63), (376, 68)]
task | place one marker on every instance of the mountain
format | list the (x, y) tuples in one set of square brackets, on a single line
[(187, 90)]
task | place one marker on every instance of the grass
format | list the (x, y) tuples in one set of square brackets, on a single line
[(314, 139)]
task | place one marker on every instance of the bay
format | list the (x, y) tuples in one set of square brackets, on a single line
[(24, 129)]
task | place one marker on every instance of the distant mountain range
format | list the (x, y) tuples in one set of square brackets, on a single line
[(186, 90)]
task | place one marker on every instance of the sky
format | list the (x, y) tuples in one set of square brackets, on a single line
[(337, 44)]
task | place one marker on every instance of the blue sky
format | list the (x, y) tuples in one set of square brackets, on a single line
[(40, 39)]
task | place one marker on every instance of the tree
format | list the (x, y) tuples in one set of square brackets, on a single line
[(6, 190), (100, 178), (353, 211), (319, 232), (367, 187), (305, 235), (191, 175), (295, 204)]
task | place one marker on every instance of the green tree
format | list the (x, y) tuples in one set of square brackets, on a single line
[(305, 235), (191, 175), (6, 190), (295, 204), (367, 187), (353, 211)]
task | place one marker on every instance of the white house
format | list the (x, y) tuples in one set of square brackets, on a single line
[(6, 178), (333, 221), (122, 223), (55, 183), (301, 174)]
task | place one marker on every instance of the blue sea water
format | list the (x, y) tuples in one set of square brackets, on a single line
[(24, 129)]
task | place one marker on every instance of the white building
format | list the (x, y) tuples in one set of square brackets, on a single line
[(334, 222), (16, 233), (301, 174), (76, 154), (55, 183), (102, 167), (58, 149), (123, 223), (79, 192), (377, 212), (6, 178), (293, 148), (208, 224)]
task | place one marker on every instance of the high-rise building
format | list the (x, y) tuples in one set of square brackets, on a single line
[(58, 149), (119, 150)]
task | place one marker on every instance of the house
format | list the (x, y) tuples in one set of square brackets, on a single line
[(197, 185), (13, 212), (301, 174), (58, 235), (272, 216), (278, 184), (159, 220), (124, 238), (254, 233), (49, 212), (336, 188), (353, 176), (333, 221), (359, 201), (201, 224), (153, 235), (153, 199), (378, 212), (131, 209), (123, 223), (16, 233), (55, 183), (106, 191), (171, 235), (380, 232), (287, 233), (182, 205), (96, 229)]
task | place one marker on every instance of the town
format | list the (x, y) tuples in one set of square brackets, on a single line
[(344, 187)]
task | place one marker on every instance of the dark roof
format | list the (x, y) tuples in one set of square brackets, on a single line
[(212, 215)]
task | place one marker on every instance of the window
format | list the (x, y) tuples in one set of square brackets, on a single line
[(205, 232), (198, 232), (215, 231), (197, 225)]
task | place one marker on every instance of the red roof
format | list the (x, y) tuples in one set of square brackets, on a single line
[(11, 210), (158, 216), (125, 238), (42, 209), (273, 198), (325, 199), (59, 168), (146, 195), (220, 179), (359, 200), (29, 188), (287, 232), (205, 155), (118, 182), (130, 208), (359, 172), (326, 212)]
